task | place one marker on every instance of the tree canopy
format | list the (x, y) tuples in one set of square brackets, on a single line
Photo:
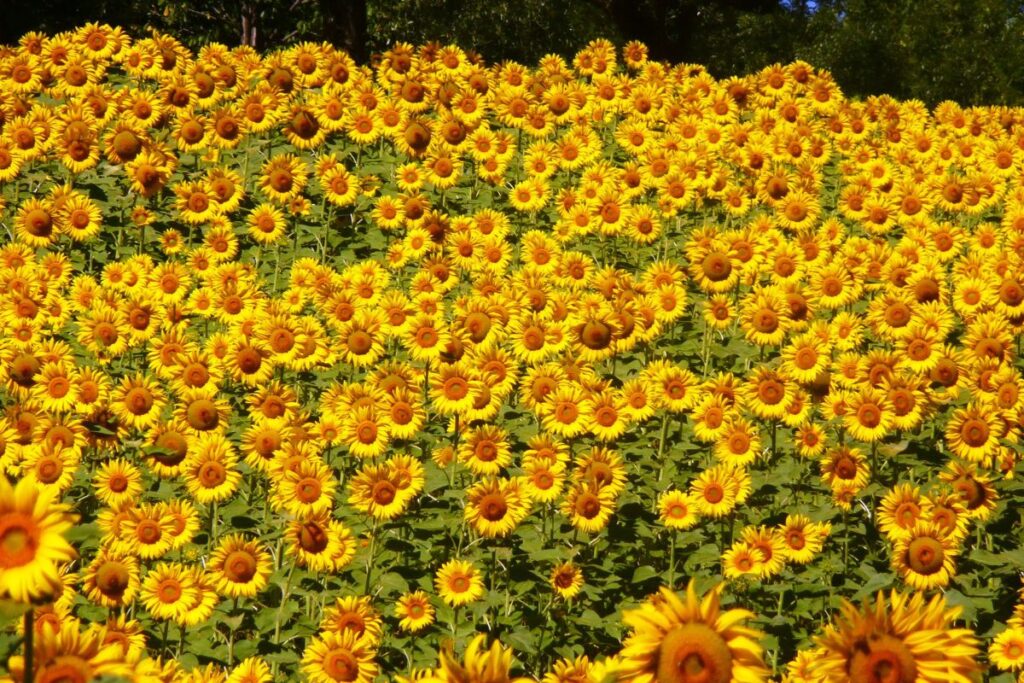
[(971, 51)]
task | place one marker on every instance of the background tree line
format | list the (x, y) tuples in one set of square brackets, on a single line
[(971, 51)]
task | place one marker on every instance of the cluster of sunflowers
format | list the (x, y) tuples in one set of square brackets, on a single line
[(331, 366)]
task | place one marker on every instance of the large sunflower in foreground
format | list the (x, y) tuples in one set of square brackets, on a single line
[(65, 653), (910, 641), (489, 665), (32, 543), (690, 641)]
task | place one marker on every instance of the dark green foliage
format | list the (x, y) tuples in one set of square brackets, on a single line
[(971, 51)]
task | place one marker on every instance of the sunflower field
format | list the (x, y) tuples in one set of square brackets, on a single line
[(438, 370)]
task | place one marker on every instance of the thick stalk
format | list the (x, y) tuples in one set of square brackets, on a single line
[(30, 632)]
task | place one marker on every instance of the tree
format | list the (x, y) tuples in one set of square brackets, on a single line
[(344, 25), (965, 50), (971, 51), (262, 24)]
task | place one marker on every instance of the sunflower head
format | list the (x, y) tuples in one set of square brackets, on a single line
[(690, 640), (904, 640)]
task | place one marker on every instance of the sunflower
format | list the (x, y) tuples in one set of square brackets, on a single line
[(273, 403), (211, 472), (676, 510), (743, 559), (125, 632), (165, 449), (764, 318), (485, 450), (973, 488), (356, 615), (544, 479), (907, 640), (240, 567), (458, 582), (567, 580), (63, 651), (266, 224), (147, 530), (149, 170), (769, 393), (869, 415), (451, 388), (805, 358), (169, 591), (36, 223), (1007, 649), (406, 414), (562, 411), (251, 670), (494, 507), (678, 386), (770, 543), (900, 510), (365, 432), (103, 331), (248, 361), (738, 442), (803, 538), (973, 432), (601, 467), (845, 465), (283, 177), (112, 579), (713, 491), (380, 491), (50, 465), (925, 557), (638, 403), (305, 491), (414, 611), (948, 512), (205, 600), (80, 218), (137, 401), (32, 525), (691, 640), (605, 416), (360, 340), (311, 542), (715, 269), (589, 507), (184, 522), (117, 481)]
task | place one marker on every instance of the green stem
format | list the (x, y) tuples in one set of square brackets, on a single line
[(213, 525), (280, 608), (231, 636), (494, 578), (30, 632), (661, 451), (846, 542), (369, 558), (672, 559), (181, 641)]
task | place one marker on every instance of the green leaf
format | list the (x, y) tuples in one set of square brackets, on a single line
[(643, 573)]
